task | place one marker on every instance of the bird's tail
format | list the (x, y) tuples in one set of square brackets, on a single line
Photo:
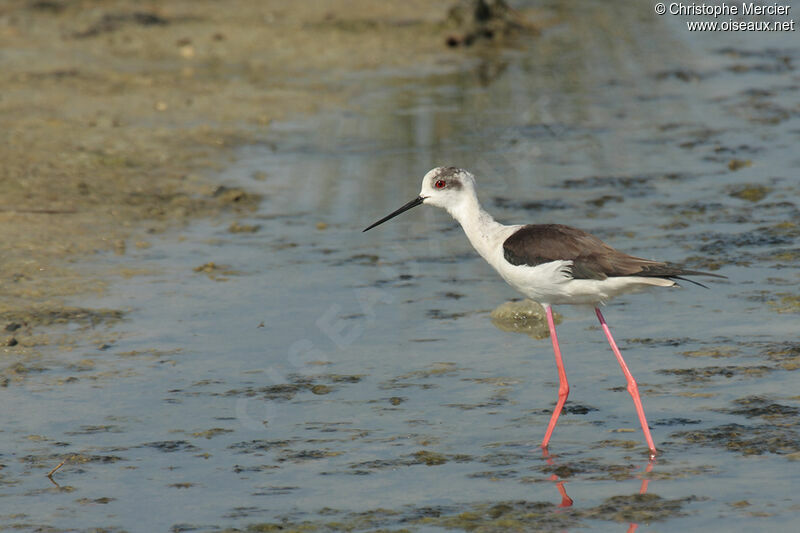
[(679, 275)]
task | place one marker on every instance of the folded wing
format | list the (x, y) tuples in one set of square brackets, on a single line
[(591, 258)]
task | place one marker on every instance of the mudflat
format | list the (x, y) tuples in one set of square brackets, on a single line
[(118, 115)]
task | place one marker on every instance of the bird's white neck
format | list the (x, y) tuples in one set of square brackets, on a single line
[(482, 230)]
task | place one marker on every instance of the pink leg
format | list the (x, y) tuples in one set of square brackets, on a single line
[(563, 386), (632, 387)]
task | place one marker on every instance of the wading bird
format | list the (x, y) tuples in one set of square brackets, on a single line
[(551, 264)]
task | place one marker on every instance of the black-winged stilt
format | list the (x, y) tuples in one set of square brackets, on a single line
[(551, 264)]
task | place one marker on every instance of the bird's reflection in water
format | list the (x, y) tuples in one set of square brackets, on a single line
[(566, 501), (643, 488)]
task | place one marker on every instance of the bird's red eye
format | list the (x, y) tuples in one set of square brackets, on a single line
[(440, 184)]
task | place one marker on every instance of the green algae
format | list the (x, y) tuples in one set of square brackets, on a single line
[(318, 384), (49, 316), (238, 227), (759, 406), (216, 272), (638, 508), (746, 440), (487, 517), (421, 457), (430, 458), (435, 370), (707, 373), (750, 192), (211, 433), (787, 354), (524, 316), (717, 352), (785, 303), (738, 164)]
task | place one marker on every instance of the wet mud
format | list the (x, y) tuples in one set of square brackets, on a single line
[(117, 118)]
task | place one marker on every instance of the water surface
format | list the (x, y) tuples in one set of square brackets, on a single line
[(320, 378)]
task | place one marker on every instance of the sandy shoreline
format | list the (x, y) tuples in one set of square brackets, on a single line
[(117, 116)]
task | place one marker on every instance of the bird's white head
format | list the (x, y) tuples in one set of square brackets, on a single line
[(447, 187), (450, 188)]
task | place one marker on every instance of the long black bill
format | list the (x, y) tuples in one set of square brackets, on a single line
[(413, 203)]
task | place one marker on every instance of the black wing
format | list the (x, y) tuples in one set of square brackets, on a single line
[(591, 258)]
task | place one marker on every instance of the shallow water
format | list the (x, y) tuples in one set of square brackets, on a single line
[(320, 378)]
